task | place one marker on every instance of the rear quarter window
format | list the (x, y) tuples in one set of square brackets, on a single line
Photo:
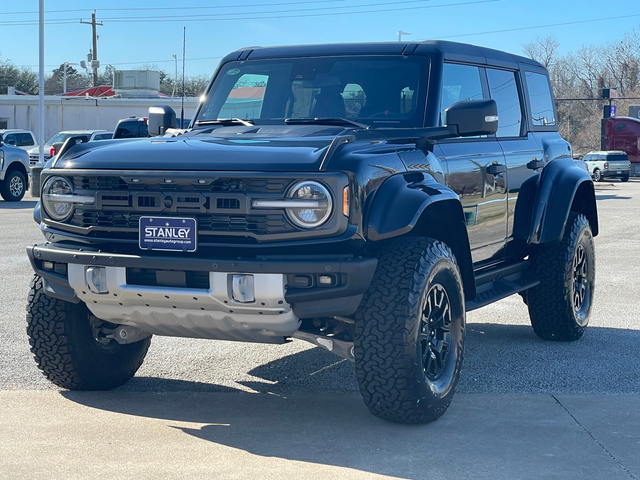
[(543, 113)]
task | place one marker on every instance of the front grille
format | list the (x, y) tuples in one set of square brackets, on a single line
[(208, 224), (219, 205), (231, 185)]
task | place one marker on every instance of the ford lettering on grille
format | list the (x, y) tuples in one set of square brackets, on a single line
[(168, 234)]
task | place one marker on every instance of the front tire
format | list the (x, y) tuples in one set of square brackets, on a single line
[(410, 332), (65, 348), (13, 187), (560, 305)]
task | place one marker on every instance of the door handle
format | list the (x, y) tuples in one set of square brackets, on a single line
[(535, 164), (496, 169)]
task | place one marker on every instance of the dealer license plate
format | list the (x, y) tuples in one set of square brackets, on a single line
[(169, 234), (619, 172)]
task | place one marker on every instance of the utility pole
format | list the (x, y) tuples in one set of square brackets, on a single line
[(94, 62)]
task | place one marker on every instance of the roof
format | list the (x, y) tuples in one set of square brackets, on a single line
[(100, 91), (14, 130), (80, 132), (449, 50), (607, 152)]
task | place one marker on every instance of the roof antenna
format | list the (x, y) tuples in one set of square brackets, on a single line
[(184, 49)]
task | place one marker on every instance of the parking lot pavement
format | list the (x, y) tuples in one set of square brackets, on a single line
[(524, 408), (241, 435)]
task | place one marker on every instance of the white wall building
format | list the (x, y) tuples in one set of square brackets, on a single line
[(74, 113)]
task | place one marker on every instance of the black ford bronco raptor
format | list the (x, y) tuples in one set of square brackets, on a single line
[(362, 197)]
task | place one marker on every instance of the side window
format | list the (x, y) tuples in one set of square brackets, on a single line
[(25, 140), (246, 97), (459, 82), (542, 111), (504, 90), (10, 139)]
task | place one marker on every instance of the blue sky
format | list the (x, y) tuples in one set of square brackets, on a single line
[(145, 32)]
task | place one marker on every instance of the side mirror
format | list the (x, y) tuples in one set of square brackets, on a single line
[(1, 141), (473, 117), (161, 117)]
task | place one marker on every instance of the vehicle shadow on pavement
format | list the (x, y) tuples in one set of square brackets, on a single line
[(611, 197), (503, 358), (290, 419), (22, 205)]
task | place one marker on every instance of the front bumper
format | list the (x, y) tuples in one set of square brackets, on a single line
[(210, 311)]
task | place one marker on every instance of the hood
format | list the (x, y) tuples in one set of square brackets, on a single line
[(238, 151)]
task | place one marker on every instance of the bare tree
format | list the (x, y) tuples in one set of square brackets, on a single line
[(542, 50)]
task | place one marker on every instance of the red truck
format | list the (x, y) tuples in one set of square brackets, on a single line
[(623, 133)]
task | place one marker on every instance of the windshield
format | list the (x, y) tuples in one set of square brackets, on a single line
[(59, 138), (374, 90)]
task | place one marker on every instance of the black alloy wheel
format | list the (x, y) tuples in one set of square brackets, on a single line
[(435, 332), (581, 290)]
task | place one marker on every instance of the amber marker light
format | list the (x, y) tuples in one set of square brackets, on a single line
[(345, 201)]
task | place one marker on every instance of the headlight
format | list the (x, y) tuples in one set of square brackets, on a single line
[(309, 203), (56, 198)]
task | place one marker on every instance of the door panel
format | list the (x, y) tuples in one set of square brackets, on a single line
[(518, 152), (482, 194)]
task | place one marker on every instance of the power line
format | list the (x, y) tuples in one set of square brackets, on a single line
[(179, 8), (315, 9), (542, 26), (202, 18)]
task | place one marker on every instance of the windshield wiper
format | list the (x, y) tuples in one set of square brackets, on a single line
[(227, 122), (324, 121)]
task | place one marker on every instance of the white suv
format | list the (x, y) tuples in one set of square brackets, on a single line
[(608, 164)]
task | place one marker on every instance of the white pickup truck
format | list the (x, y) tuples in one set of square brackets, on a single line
[(608, 164)]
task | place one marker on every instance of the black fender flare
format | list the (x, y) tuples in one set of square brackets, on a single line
[(563, 187), (399, 203), (414, 203)]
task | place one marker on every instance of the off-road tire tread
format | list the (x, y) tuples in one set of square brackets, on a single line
[(384, 322), (64, 360), (550, 303)]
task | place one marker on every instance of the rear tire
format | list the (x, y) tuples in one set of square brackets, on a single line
[(410, 332), (65, 349), (559, 306), (13, 187), (625, 178), (597, 175)]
